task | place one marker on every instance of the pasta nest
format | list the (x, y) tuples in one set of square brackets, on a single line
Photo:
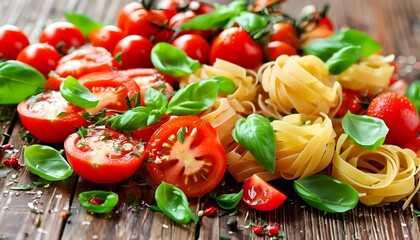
[(371, 74), (298, 85), (381, 176)]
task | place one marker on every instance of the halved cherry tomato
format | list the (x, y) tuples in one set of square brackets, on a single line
[(260, 195), (144, 23), (134, 51), (107, 37), (125, 11), (12, 41), (195, 46), (41, 56), (104, 155), (63, 36), (351, 102), (111, 88), (49, 117), (186, 152)]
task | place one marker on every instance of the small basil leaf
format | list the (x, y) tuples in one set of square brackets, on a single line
[(251, 22), (227, 86), (323, 49), (173, 61), (326, 194), (155, 99), (77, 94), (47, 163), (134, 119), (19, 81), (229, 201), (343, 59), (109, 201), (413, 93), (256, 134), (368, 132), (23, 187), (174, 204), (194, 98), (82, 22)]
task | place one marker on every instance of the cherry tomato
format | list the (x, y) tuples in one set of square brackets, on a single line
[(399, 115), (169, 7), (273, 230), (182, 17), (351, 102), (12, 41), (285, 32), (41, 56), (201, 7), (49, 117), (63, 36), (260, 4), (414, 145), (125, 11), (194, 46), (258, 230), (107, 37), (104, 155), (111, 88), (278, 48), (236, 45), (134, 52), (81, 62), (325, 22), (145, 23), (260, 195), (186, 152)]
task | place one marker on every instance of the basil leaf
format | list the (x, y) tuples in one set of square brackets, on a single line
[(174, 204), (227, 86), (229, 201), (326, 194), (413, 93), (194, 98), (4, 173), (155, 99), (82, 22), (77, 94), (368, 132), (47, 163), (343, 59), (256, 134), (19, 81), (110, 200), (171, 60), (23, 187), (251, 22), (357, 38), (134, 119)]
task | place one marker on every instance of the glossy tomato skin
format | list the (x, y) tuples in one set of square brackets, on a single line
[(278, 48), (104, 156), (134, 52), (236, 45), (63, 36), (195, 46), (107, 37), (144, 23), (413, 145), (285, 32), (12, 41), (186, 152), (351, 102), (182, 17), (260, 195), (399, 115), (50, 118), (125, 11), (41, 56)]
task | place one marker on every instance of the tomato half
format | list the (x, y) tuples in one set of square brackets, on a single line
[(186, 152), (260, 195), (104, 155), (49, 117), (41, 56), (63, 36), (12, 41)]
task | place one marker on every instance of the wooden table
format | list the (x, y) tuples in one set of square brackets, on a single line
[(395, 24)]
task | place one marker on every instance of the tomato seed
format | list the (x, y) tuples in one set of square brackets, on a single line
[(209, 212), (96, 201), (258, 230)]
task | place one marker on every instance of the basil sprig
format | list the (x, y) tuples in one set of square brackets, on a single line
[(174, 204), (256, 134), (110, 200), (327, 194), (368, 132), (229, 200), (342, 49), (19, 81), (77, 94), (171, 60), (82, 22), (413, 93), (46, 162)]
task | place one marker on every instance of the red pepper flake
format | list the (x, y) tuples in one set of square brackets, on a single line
[(210, 211), (96, 201)]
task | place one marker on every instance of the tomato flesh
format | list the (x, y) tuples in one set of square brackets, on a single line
[(186, 152)]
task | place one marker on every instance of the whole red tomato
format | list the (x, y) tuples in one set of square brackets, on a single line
[(195, 46), (125, 11), (63, 36), (182, 17), (41, 56), (351, 102), (107, 37), (169, 7), (134, 51), (278, 48), (12, 41), (285, 32), (236, 45), (146, 23)]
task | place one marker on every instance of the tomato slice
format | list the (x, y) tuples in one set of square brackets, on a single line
[(104, 155), (111, 88), (260, 195), (186, 152), (49, 117)]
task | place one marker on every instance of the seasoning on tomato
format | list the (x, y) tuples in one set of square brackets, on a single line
[(102, 155), (49, 117), (186, 152)]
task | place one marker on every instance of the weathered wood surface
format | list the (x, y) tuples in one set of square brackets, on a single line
[(395, 24)]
